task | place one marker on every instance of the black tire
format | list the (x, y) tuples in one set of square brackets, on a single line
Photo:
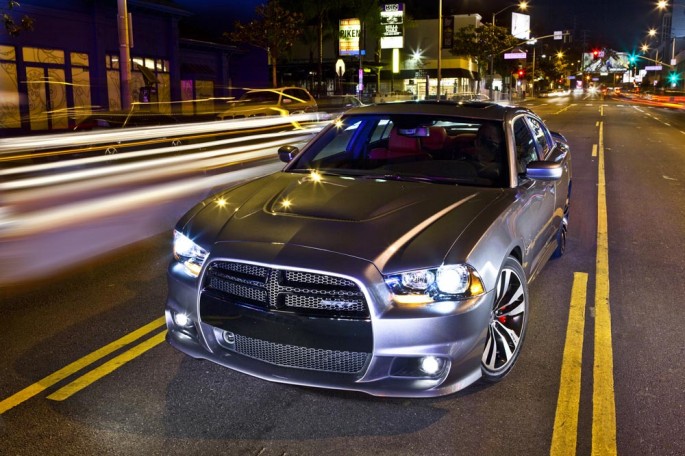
[(561, 240), (508, 322)]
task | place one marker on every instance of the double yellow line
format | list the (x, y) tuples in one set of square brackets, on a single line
[(95, 374), (565, 433)]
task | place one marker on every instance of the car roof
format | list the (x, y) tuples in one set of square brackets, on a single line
[(275, 89), (477, 110)]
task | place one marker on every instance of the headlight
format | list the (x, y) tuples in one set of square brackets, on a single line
[(446, 283), (189, 254)]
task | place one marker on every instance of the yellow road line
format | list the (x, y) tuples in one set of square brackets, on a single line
[(603, 403), (594, 150), (565, 434), (107, 368), (41, 385)]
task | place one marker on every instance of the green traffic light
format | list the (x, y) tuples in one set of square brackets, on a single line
[(673, 78)]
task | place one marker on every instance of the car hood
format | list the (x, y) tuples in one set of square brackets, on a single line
[(395, 225)]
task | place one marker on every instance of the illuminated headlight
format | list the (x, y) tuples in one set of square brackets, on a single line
[(189, 254), (182, 319), (424, 286), (431, 365)]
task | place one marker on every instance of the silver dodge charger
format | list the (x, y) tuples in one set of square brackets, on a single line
[(391, 255)]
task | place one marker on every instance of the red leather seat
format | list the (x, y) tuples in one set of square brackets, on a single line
[(436, 140), (399, 147)]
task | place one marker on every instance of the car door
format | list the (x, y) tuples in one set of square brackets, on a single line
[(537, 197), (555, 152)]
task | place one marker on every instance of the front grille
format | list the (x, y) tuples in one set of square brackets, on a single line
[(286, 290), (301, 357)]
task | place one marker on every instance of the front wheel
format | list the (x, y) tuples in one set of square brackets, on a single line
[(561, 240), (508, 321)]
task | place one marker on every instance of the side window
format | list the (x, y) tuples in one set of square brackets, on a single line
[(541, 136), (296, 95), (525, 145)]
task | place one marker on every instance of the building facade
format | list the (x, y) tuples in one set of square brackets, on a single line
[(417, 74), (68, 65)]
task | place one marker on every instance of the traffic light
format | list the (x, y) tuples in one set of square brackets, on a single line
[(673, 78), (595, 54), (521, 73), (632, 58)]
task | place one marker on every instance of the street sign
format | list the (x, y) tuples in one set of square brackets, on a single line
[(653, 68), (515, 55), (558, 35)]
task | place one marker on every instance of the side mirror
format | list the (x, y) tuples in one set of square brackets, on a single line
[(544, 170), (287, 153)]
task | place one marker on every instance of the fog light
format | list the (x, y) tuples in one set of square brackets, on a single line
[(430, 365), (229, 337), (183, 320)]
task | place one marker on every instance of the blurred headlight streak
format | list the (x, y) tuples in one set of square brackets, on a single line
[(71, 140), (56, 215)]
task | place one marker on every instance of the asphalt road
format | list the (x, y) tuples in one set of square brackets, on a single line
[(68, 390)]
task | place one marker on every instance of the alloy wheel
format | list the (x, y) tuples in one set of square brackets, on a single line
[(507, 322)]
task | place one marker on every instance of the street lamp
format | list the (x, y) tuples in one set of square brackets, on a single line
[(523, 5), (663, 5)]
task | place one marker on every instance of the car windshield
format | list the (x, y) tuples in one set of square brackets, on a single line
[(445, 150), (261, 96)]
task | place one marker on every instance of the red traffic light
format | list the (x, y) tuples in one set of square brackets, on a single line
[(595, 53), (521, 73)]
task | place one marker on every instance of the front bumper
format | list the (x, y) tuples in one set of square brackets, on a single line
[(374, 354)]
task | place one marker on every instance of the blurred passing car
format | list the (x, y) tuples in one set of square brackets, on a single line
[(112, 120), (338, 103), (392, 254), (271, 102)]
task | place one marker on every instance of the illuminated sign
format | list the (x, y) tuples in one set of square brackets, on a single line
[(392, 25), (520, 26), (607, 61), (515, 55), (350, 30)]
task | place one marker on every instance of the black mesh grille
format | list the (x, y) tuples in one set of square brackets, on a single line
[(301, 292), (301, 357)]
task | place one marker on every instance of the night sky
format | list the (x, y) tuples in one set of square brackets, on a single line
[(621, 25)]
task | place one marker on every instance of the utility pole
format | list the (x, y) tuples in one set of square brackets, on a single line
[(124, 56), (439, 48)]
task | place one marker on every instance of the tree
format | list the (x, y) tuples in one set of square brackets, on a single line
[(483, 42), (317, 18), (275, 30), (13, 27), (323, 16)]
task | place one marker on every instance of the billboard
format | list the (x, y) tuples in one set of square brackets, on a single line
[(350, 30), (392, 24), (607, 61), (520, 26)]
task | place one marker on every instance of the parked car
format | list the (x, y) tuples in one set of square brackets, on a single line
[(271, 102), (392, 254)]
